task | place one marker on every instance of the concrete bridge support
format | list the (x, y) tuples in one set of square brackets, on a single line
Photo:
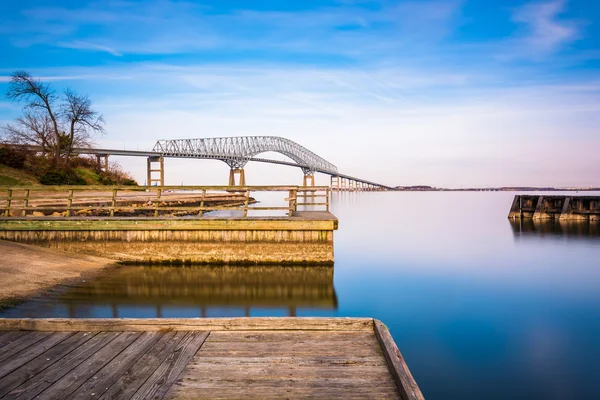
[(99, 163), (309, 180), (161, 171), (335, 182), (242, 177)]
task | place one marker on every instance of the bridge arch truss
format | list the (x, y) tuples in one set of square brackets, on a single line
[(237, 151)]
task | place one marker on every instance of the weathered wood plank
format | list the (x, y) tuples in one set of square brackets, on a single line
[(84, 371), (22, 343), (62, 367), (190, 324), (367, 375), (43, 361), (169, 370), (408, 388), (323, 361), (29, 353), (138, 373), (296, 336), (281, 392), (114, 369), (245, 349), (8, 337)]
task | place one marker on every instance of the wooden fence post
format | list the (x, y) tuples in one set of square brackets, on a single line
[(246, 203), (114, 202), (70, 202)]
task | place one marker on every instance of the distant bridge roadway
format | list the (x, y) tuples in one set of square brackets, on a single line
[(237, 152)]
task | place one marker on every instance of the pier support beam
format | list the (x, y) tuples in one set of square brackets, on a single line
[(242, 177), (161, 170)]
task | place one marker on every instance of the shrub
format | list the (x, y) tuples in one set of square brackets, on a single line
[(13, 157), (129, 182), (61, 177)]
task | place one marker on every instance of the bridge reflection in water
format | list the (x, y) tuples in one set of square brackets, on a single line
[(195, 291), (555, 228)]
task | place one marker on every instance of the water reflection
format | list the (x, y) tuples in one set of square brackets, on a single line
[(554, 228), (197, 291)]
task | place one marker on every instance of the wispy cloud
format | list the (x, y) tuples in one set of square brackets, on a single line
[(546, 33), (77, 44), (165, 27)]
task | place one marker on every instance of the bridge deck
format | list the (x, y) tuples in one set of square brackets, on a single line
[(201, 358)]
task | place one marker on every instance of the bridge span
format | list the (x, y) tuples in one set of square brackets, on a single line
[(237, 152)]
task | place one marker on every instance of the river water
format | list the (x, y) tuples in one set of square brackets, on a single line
[(480, 307)]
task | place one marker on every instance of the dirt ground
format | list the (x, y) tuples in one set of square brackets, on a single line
[(27, 270)]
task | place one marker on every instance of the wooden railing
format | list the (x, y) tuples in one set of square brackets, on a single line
[(150, 202)]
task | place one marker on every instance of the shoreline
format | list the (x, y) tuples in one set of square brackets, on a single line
[(28, 271)]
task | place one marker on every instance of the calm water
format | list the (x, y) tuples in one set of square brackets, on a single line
[(481, 308)]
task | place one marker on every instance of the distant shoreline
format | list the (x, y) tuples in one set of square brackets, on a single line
[(494, 189)]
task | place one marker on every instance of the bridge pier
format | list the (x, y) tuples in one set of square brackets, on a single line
[(336, 183), (99, 162), (309, 180), (242, 177), (161, 170)]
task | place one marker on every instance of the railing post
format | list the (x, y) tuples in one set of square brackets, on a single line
[(158, 194), (114, 202), (24, 213), (70, 202), (246, 203), (202, 202), (292, 204), (8, 202), (327, 199)]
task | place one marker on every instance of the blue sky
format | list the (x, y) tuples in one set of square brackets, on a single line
[(446, 93)]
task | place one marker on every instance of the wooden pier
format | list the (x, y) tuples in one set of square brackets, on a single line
[(222, 358), (565, 208), (116, 224)]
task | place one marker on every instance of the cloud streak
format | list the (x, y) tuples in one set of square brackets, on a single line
[(546, 32)]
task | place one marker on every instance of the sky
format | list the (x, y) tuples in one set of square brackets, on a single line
[(448, 93)]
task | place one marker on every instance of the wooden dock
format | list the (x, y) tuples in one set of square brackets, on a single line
[(132, 226), (222, 358)]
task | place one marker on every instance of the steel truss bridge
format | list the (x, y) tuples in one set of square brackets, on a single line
[(237, 152)]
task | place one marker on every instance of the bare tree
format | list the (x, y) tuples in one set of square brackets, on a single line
[(82, 121), (33, 128), (57, 123)]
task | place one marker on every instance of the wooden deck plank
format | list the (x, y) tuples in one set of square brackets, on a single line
[(305, 360), (29, 353), (62, 367), (9, 337), (241, 349), (66, 385), (297, 336), (138, 373), (113, 370), (23, 342), (409, 390), (43, 361), (169, 370), (281, 393), (268, 371), (188, 324)]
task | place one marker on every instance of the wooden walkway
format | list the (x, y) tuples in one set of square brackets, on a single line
[(225, 358)]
